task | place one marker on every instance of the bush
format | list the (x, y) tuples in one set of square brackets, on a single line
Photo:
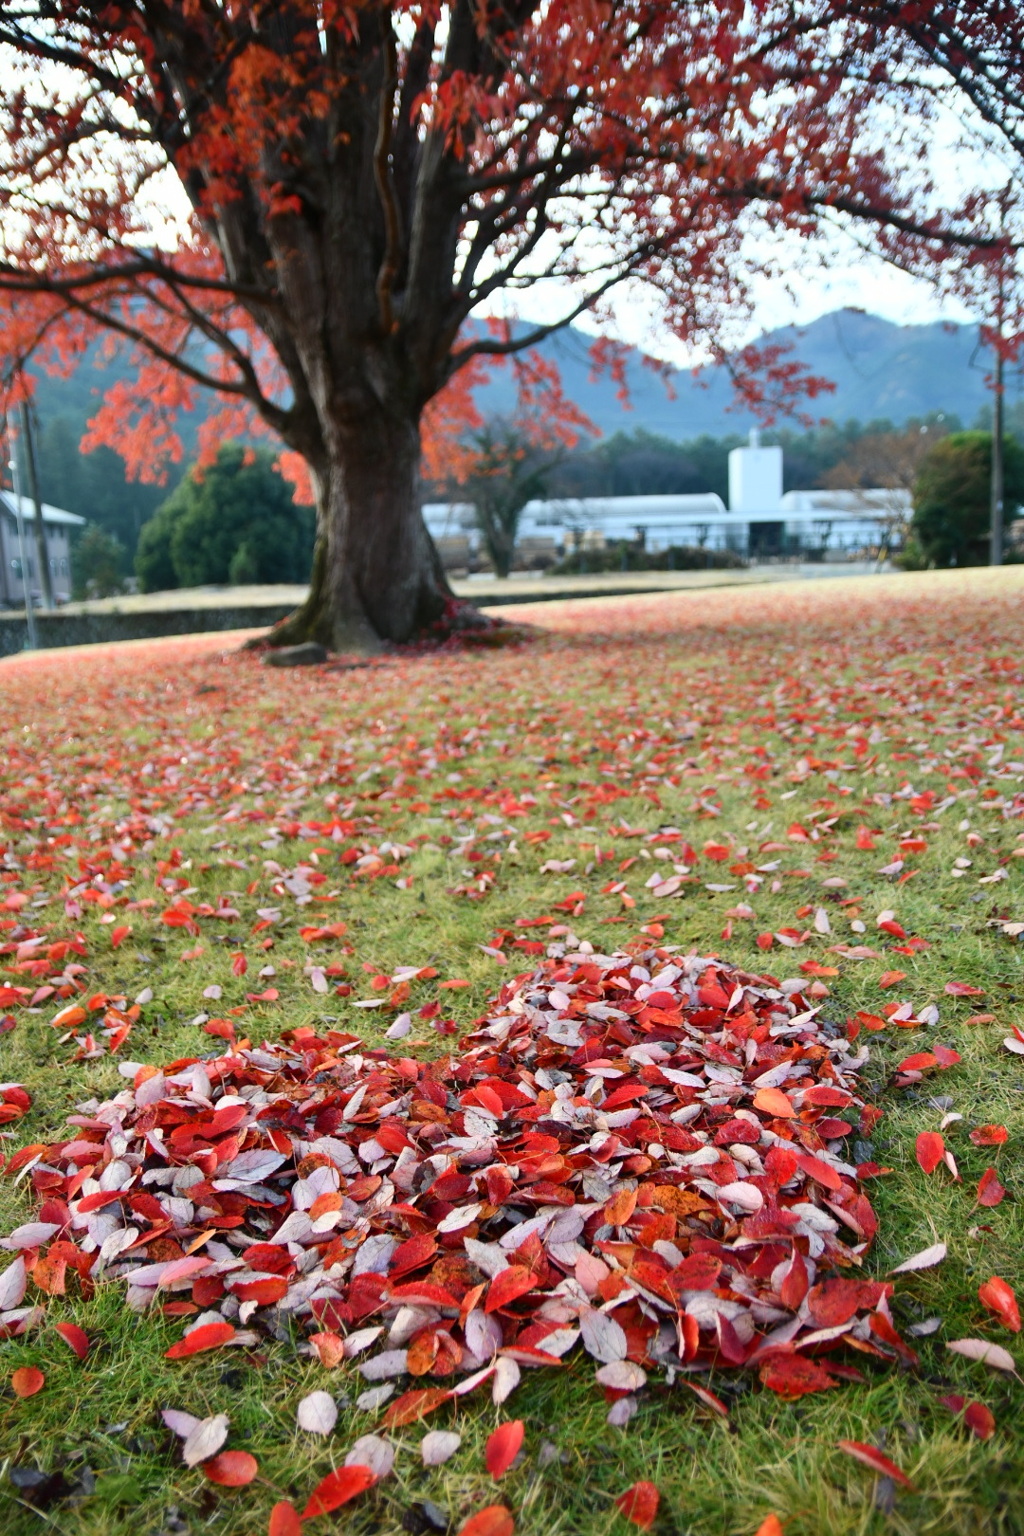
[(153, 563), (952, 496), (97, 560), (234, 523), (623, 556)]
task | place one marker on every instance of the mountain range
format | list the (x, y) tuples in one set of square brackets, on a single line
[(880, 370)]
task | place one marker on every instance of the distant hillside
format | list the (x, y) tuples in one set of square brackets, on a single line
[(879, 369)]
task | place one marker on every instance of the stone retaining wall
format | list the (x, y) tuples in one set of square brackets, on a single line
[(60, 629)]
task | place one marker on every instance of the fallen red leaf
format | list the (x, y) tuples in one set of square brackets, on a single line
[(503, 1447), (414, 1405), (891, 978), (772, 1526), (999, 1298), (75, 1337), (989, 1135), (772, 1101), (27, 1380), (873, 1458), (207, 1336), (990, 1191), (508, 1286), (793, 1376), (338, 1488), (962, 989), (284, 1520), (980, 1420), (495, 1520), (639, 1504), (929, 1149), (920, 1061), (231, 1469)]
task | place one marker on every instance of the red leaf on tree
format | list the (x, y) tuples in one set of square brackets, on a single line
[(999, 1298), (338, 1488), (27, 1380), (929, 1149), (873, 1458), (503, 1447), (495, 1520), (639, 1504), (207, 1336), (990, 1191), (231, 1469)]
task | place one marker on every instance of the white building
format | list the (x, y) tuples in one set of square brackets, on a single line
[(759, 521), (58, 525), (755, 477)]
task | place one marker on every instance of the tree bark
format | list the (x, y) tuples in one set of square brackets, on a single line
[(377, 577)]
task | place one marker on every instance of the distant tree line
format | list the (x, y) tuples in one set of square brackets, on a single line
[(236, 522), (641, 463)]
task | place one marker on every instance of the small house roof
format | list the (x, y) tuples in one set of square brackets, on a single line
[(56, 515)]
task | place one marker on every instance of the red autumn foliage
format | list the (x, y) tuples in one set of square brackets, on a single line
[(503, 1447), (998, 1297), (27, 1380), (989, 1135), (639, 1505), (495, 1520), (643, 1215), (164, 694), (871, 1457), (231, 1469), (75, 1338), (284, 1520), (207, 1336), (336, 1489), (188, 204), (990, 1191), (929, 1150), (980, 1420)]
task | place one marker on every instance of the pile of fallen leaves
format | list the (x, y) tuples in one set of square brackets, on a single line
[(642, 1153)]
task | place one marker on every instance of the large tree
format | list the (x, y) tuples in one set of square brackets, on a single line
[(301, 203)]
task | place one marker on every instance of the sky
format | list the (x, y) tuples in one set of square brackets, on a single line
[(852, 281)]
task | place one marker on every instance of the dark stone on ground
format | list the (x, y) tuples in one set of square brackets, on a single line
[(309, 654)]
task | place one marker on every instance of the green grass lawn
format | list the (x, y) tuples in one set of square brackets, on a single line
[(548, 779)]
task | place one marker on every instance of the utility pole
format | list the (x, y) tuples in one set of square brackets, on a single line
[(42, 554), (995, 547), (32, 643)]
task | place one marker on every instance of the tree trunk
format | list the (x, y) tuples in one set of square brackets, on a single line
[(376, 577)]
